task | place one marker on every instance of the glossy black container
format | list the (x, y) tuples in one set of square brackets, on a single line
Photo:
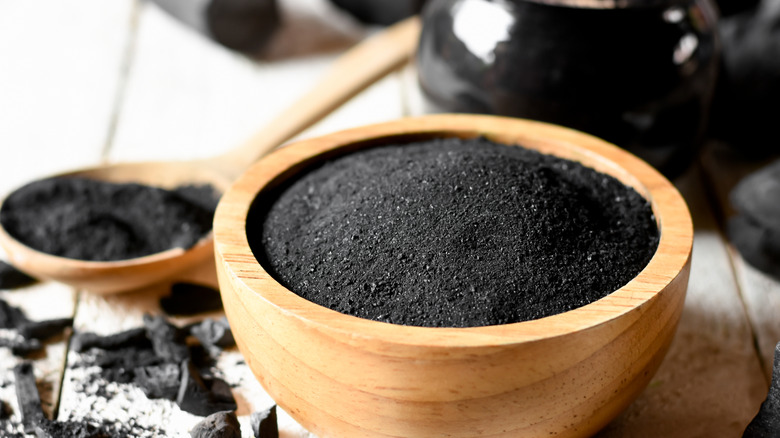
[(639, 75)]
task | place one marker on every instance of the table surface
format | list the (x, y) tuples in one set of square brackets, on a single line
[(89, 81)]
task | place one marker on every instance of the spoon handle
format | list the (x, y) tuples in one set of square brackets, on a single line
[(358, 68)]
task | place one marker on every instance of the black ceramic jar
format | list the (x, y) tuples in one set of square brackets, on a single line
[(382, 12), (638, 73)]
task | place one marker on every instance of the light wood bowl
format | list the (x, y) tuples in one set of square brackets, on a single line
[(565, 375)]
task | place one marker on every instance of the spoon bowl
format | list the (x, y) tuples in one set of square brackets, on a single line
[(122, 275), (358, 68)]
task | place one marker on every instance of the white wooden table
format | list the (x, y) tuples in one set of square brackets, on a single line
[(87, 81)]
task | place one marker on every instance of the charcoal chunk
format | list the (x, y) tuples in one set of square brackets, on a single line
[(758, 196), (264, 423), (5, 410), (755, 244), (196, 396), (82, 342), (11, 317), (167, 339), (21, 346), (159, 381), (766, 423), (43, 330), (27, 397), (218, 425), (188, 299), (12, 278), (70, 429), (214, 333)]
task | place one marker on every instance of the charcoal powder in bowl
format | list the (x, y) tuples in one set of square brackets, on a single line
[(95, 220), (452, 232)]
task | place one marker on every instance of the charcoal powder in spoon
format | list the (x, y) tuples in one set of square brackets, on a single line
[(95, 220), (452, 232)]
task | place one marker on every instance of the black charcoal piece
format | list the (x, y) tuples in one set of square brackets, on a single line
[(27, 396), (759, 246), (264, 423), (5, 410), (766, 423), (12, 278), (72, 429), (190, 299), (159, 381), (21, 346), (81, 342), (244, 25), (43, 330), (214, 333), (758, 196), (218, 425), (195, 394), (11, 317), (167, 339)]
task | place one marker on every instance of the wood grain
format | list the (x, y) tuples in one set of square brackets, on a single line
[(61, 68), (568, 374)]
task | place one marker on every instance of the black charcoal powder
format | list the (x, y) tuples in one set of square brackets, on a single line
[(452, 232), (95, 220)]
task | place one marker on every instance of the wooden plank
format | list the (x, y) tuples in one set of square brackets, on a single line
[(760, 292), (61, 64), (710, 383), (61, 69), (187, 97)]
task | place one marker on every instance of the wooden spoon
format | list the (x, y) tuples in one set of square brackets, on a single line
[(361, 66)]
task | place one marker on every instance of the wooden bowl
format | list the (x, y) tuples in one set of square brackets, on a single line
[(565, 375)]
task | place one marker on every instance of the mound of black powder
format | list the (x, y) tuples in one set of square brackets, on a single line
[(452, 232), (87, 219)]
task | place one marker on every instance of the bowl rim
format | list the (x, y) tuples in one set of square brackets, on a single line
[(251, 281)]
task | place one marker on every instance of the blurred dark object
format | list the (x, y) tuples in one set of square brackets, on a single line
[(640, 76), (264, 423), (766, 423), (382, 12), (745, 109), (755, 232), (188, 299), (242, 25), (732, 7), (12, 278)]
